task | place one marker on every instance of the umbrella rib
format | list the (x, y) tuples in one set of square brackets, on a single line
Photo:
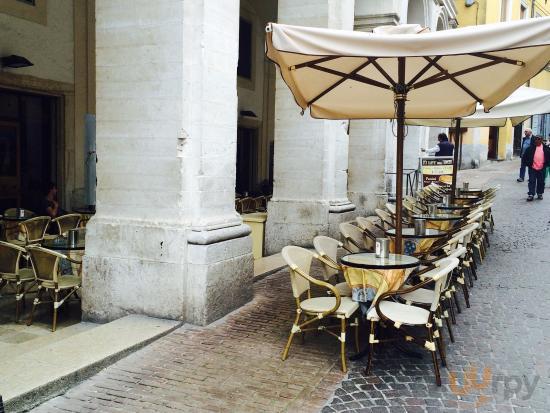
[(314, 62), (441, 76), (342, 80), (384, 73), (498, 59), (452, 78), (424, 70), (356, 77)]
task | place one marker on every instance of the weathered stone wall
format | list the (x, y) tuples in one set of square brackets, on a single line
[(166, 240), (310, 188)]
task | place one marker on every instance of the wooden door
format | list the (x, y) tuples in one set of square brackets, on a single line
[(492, 150)]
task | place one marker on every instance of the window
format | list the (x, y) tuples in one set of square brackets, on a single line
[(29, 2), (523, 12), (244, 67)]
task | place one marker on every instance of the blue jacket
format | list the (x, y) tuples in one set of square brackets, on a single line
[(525, 144)]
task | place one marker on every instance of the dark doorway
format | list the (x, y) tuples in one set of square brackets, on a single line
[(28, 148), (246, 161), (492, 152)]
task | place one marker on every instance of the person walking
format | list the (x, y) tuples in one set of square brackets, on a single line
[(525, 144), (536, 157), (443, 147)]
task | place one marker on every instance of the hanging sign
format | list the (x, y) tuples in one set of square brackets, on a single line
[(436, 169)]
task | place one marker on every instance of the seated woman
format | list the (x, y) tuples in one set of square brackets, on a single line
[(50, 206)]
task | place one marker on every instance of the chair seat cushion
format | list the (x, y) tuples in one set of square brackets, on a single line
[(420, 296), (25, 274), (401, 313), (17, 242), (344, 289), (64, 282), (322, 304)]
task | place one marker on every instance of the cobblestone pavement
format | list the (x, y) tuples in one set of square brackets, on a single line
[(502, 340), (234, 365)]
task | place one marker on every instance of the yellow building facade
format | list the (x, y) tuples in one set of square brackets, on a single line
[(499, 142)]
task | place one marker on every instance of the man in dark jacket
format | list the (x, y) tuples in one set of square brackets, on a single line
[(536, 157), (526, 142), (443, 148)]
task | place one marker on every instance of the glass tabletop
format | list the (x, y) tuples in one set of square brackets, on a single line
[(438, 217), (369, 260), (453, 206), (467, 197), (62, 244), (470, 190), (17, 217), (409, 233)]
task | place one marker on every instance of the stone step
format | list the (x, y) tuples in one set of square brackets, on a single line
[(52, 369)]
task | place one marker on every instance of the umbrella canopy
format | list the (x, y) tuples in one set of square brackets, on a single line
[(403, 72), (353, 75), (520, 105)]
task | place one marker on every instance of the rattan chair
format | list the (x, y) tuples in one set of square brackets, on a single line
[(403, 316), (315, 309), (327, 248), (66, 222), (21, 280), (353, 238), (60, 288), (33, 231)]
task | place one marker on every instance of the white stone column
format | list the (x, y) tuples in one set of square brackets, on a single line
[(166, 240), (310, 160)]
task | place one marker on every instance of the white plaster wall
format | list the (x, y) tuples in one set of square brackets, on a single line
[(49, 47)]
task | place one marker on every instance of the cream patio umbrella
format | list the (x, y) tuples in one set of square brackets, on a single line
[(520, 105), (400, 72)]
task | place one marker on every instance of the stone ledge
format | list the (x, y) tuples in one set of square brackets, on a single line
[(37, 376)]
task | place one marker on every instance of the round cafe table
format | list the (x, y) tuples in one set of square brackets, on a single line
[(62, 244), (366, 274), (17, 217), (439, 221), (452, 207), (415, 243)]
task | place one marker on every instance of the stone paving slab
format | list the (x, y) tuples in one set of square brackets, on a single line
[(232, 365), (54, 367)]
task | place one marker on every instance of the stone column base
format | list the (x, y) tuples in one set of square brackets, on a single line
[(292, 222), (156, 270)]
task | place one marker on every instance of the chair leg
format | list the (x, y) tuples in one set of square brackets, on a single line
[(371, 348), (357, 349), (455, 300), (343, 344), (34, 304), (55, 306), (289, 341), (466, 294), (18, 294), (434, 358), (450, 330)]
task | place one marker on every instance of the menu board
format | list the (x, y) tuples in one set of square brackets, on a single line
[(436, 169)]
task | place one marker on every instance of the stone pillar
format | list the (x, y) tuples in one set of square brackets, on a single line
[(310, 160), (166, 240)]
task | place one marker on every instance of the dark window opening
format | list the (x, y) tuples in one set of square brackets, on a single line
[(244, 67), (29, 2)]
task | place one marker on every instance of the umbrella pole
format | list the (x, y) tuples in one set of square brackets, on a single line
[(400, 97), (458, 147)]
